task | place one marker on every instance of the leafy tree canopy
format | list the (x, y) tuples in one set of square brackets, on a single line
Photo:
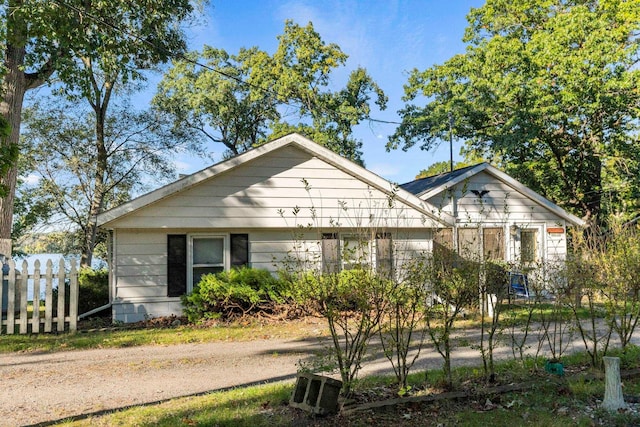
[(549, 90), (242, 100), (90, 45)]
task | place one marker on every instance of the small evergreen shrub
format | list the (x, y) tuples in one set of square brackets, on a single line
[(235, 293)]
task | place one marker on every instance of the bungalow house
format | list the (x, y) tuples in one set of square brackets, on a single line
[(290, 197), (495, 216)]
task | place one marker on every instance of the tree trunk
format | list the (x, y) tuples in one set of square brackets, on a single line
[(15, 84), (613, 398), (14, 87)]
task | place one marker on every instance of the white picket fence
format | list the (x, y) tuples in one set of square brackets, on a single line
[(24, 315)]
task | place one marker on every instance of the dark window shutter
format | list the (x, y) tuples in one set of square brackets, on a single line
[(239, 250), (176, 265)]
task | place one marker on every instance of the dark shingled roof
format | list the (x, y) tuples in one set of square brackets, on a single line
[(421, 185)]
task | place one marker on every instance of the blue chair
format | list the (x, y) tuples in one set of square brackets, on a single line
[(519, 285)]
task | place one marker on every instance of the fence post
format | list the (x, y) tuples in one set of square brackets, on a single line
[(24, 280), (11, 298), (73, 297), (35, 316), (61, 296), (48, 297)]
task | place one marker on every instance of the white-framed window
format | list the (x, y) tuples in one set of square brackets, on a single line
[(349, 251), (190, 256), (356, 252), (207, 254)]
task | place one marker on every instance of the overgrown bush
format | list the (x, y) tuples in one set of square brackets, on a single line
[(235, 293), (353, 303), (93, 289)]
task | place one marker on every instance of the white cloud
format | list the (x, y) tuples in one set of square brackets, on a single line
[(31, 179)]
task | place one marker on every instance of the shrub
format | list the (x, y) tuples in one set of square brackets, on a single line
[(93, 289), (235, 293)]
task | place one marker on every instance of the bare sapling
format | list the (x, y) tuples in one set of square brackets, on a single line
[(620, 267), (493, 292), (588, 272), (453, 287), (403, 335)]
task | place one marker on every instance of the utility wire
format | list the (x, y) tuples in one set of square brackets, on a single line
[(183, 57)]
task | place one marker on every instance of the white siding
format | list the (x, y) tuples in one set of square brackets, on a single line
[(141, 279), (503, 206), (264, 193)]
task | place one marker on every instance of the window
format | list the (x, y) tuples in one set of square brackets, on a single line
[(528, 245), (209, 254), (468, 243), (353, 251), (384, 254), (356, 252), (239, 250), (176, 265), (493, 243), (330, 253)]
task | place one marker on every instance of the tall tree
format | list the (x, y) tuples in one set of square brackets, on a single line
[(218, 101), (549, 88), (75, 168), (42, 36), (241, 100)]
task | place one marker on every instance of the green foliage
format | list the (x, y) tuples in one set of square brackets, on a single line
[(236, 292), (91, 59), (241, 96), (353, 303), (541, 81), (93, 289)]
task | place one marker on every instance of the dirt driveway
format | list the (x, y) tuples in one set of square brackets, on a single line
[(44, 387), (37, 388)]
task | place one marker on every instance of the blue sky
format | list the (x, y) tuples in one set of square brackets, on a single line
[(388, 38)]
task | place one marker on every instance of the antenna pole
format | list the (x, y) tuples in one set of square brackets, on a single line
[(450, 141)]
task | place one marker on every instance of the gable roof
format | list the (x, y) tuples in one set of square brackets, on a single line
[(426, 188), (293, 139)]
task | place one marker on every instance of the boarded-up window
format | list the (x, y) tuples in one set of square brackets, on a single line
[(330, 253), (239, 250), (384, 254), (493, 243), (176, 265), (443, 237), (528, 245), (468, 243)]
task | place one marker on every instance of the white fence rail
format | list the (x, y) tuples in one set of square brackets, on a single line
[(53, 306)]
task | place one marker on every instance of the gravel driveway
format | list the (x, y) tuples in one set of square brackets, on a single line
[(43, 387), (52, 386)]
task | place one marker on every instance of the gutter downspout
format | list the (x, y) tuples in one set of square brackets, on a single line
[(94, 311)]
